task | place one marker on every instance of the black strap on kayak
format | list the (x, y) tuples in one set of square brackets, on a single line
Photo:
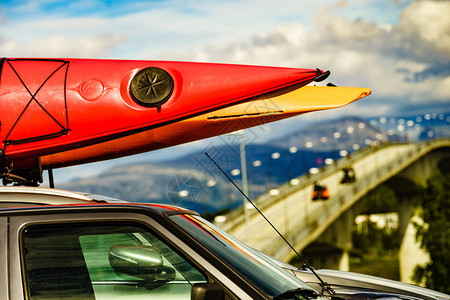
[(64, 129), (2, 61)]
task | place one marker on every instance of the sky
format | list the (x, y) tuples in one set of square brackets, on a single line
[(398, 48)]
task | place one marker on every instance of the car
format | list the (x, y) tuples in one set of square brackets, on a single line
[(320, 192), (350, 285), (58, 244)]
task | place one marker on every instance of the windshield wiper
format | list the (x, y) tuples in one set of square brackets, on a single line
[(297, 294)]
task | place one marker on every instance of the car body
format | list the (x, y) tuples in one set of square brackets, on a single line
[(350, 285), (57, 244)]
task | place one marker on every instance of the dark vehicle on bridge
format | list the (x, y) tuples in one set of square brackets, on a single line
[(57, 244), (348, 176)]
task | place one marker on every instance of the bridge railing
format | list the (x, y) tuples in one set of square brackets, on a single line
[(316, 221), (264, 201)]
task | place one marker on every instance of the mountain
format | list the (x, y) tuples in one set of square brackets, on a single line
[(333, 135), (195, 182)]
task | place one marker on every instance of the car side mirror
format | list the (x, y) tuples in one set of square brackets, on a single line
[(207, 291), (140, 261)]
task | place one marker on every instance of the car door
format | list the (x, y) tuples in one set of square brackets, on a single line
[(92, 256)]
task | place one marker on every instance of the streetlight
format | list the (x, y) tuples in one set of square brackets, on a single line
[(183, 193), (294, 181), (361, 127), (235, 172), (314, 170), (209, 183), (349, 130), (401, 128), (244, 181), (441, 122), (329, 161), (343, 153), (275, 155), (257, 163), (251, 176), (368, 142), (292, 150), (379, 136), (274, 192), (308, 145), (321, 151), (336, 136), (244, 184)]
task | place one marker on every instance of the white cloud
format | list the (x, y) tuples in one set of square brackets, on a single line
[(61, 46), (358, 53), (441, 89), (152, 28), (425, 29)]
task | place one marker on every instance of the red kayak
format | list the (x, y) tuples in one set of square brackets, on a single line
[(53, 105), (59, 112)]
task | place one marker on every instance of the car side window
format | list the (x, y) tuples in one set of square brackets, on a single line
[(103, 261)]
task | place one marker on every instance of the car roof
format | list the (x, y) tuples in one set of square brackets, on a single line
[(30, 196), (22, 196)]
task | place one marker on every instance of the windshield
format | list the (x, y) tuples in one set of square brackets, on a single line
[(268, 277)]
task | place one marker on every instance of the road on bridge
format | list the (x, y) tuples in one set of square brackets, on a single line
[(302, 220)]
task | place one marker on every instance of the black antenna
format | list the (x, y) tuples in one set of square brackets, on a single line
[(323, 284)]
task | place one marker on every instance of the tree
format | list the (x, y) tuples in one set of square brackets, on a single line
[(381, 200), (434, 233)]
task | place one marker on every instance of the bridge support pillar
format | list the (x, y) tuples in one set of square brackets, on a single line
[(405, 209), (344, 264), (331, 249), (410, 253)]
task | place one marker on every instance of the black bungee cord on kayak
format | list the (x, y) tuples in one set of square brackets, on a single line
[(325, 286), (64, 129)]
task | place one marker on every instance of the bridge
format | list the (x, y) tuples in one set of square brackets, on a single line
[(324, 227)]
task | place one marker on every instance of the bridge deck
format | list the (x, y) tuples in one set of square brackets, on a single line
[(302, 220)]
